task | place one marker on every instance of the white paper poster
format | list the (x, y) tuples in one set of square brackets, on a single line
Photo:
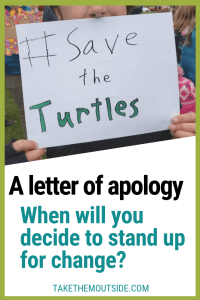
[(96, 79)]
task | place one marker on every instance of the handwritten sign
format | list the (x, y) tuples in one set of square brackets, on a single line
[(96, 79)]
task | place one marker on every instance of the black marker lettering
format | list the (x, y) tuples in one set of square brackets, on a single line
[(74, 45), (92, 48), (113, 45), (83, 76), (127, 38)]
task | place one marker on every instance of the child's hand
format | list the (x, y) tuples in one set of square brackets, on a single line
[(30, 147), (183, 125)]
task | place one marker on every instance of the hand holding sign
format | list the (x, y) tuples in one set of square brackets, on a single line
[(183, 125), (30, 148), (92, 87)]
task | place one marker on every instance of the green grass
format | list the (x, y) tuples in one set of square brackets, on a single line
[(14, 131), (11, 109)]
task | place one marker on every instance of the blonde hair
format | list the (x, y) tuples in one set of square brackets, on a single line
[(189, 33), (183, 17), (174, 9)]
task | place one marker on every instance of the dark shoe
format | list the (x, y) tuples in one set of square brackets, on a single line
[(8, 123)]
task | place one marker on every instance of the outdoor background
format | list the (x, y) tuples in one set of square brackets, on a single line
[(12, 113)]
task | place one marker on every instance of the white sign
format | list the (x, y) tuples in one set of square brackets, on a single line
[(96, 79)]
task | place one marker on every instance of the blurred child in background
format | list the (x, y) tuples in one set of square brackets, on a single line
[(16, 15)]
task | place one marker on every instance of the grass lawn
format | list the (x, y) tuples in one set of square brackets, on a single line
[(14, 131), (11, 109)]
